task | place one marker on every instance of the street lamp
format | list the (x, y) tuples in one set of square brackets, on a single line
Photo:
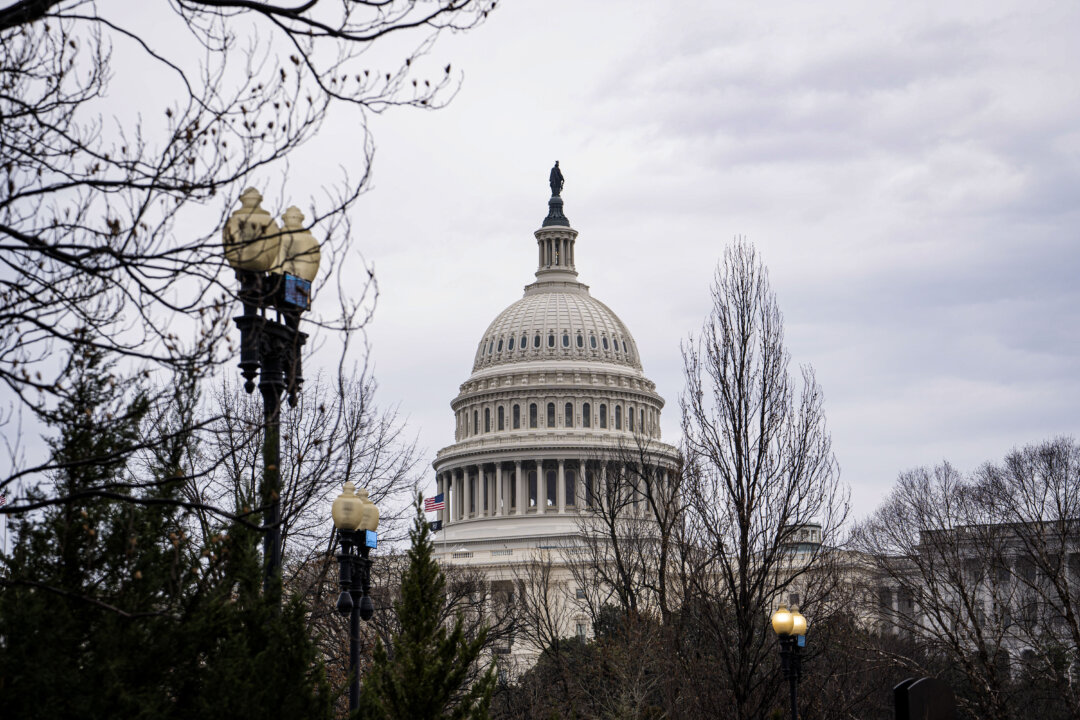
[(275, 267), (790, 626), (356, 519)]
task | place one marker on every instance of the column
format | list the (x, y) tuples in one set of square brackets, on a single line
[(560, 487), (579, 490), (500, 498), (522, 491), (440, 490), (541, 488), (466, 496)]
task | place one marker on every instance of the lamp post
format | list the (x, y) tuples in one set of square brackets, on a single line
[(275, 266), (356, 519), (790, 626)]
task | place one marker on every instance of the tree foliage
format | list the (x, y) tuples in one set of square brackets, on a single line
[(428, 670)]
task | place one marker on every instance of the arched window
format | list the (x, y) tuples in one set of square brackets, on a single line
[(551, 340), (552, 488), (624, 348), (568, 419), (491, 346), (499, 348), (580, 341), (605, 342), (586, 415), (631, 418), (551, 415), (510, 344), (603, 416), (524, 342), (502, 418), (592, 341), (536, 340), (642, 424), (618, 417), (517, 417), (532, 415), (487, 419), (565, 340), (475, 422), (571, 484), (532, 488)]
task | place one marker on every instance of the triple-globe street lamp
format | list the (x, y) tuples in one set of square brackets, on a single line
[(790, 626), (356, 519), (275, 266)]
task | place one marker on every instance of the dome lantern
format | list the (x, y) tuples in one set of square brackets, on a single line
[(555, 238)]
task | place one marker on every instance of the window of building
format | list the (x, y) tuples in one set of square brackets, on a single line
[(570, 476), (624, 348), (510, 343), (475, 422), (605, 342), (586, 415), (536, 340), (581, 632), (580, 341), (502, 418), (580, 595), (630, 417), (793, 599), (517, 417), (532, 488), (532, 415), (568, 420), (603, 416), (618, 417), (642, 423), (499, 347), (551, 415), (524, 342), (472, 493), (487, 420), (565, 340), (551, 340), (552, 487), (592, 341)]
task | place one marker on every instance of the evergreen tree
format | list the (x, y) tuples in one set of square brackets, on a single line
[(109, 607), (429, 673)]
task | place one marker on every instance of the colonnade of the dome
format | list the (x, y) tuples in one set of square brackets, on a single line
[(541, 486)]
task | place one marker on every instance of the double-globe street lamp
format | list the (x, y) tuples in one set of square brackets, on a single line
[(790, 626), (356, 519), (275, 266)]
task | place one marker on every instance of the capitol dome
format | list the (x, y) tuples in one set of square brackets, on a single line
[(556, 397)]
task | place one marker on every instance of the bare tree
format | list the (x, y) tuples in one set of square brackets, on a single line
[(109, 215), (760, 471)]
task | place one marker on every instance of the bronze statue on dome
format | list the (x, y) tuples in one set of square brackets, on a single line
[(555, 179)]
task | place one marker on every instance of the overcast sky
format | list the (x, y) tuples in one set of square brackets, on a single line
[(909, 172)]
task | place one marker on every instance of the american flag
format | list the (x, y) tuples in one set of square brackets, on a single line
[(434, 503)]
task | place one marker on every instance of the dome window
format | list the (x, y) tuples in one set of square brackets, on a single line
[(510, 343), (517, 417), (536, 340), (532, 415), (618, 417), (631, 419), (565, 340), (603, 416), (592, 341), (586, 415), (499, 348), (568, 421), (580, 341), (605, 342), (502, 419), (551, 415), (551, 340), (487, 420), (624, 348), (491, 347)]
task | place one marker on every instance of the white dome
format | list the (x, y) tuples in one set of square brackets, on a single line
[(557, 322)]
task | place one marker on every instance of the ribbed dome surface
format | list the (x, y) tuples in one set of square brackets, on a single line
[(557, 321)]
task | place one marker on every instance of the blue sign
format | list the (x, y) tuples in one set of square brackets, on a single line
[(297, 291), (802, 638), (371, 539)]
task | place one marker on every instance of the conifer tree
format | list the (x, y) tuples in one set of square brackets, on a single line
[(428, 672), (108, 605)]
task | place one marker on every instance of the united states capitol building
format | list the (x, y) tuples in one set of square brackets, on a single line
[(556, 395)]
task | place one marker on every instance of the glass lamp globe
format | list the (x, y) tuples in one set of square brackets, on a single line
[(299, 254), (347, 509), (250, 237), (782, 621), (369, 519), (799, 624)]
